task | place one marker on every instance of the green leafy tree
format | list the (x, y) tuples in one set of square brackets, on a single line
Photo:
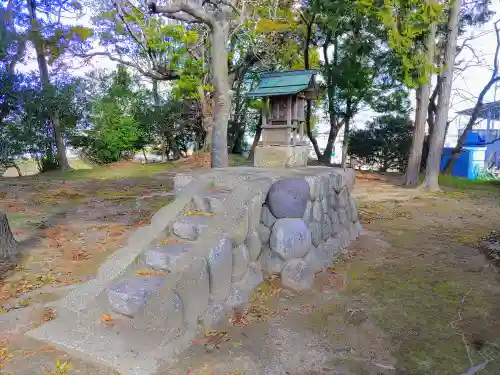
[(115, 128), (39, 22), (384, 144), (359, 68)]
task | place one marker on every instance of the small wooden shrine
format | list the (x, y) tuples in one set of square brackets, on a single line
[(285, 95)]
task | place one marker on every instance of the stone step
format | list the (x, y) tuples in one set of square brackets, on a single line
[(211, 201), (165, 255), (129, 296), (129, 351), (190, 227)]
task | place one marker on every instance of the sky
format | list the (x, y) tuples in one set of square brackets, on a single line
[(466, 86), (468, 83)]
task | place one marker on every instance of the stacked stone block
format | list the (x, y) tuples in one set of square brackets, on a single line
[(245, 221), (309, 220)]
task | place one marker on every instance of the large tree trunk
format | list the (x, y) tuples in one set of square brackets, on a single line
[(62, 159), (44, 78), (8, 244), (156, 95), (222, 97), (238, 126), (422, 96), (332, 93), (345, 143), (256, 138), (431, 181), (207, 119), (411, 176), (309, 102)]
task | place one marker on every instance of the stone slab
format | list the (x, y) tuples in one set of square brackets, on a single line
[(220, 266), (290, 238), (129, 296), (165, 256), (281, 156), (287, 198), (297, 275)]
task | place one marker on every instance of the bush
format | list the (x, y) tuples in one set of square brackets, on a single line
[(384, 144)]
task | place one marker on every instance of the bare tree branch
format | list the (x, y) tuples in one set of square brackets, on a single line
[(120, 12), (179, 10), (479, 103), (161, 76)]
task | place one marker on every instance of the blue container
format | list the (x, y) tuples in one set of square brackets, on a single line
[(470, 161)]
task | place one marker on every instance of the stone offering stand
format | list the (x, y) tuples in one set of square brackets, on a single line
[(200, 259)]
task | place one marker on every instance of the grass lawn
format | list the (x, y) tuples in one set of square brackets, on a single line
[(416, 296)]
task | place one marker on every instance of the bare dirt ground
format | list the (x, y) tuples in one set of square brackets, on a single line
[(412, 295)]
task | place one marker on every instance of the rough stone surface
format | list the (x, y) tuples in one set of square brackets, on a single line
[(314, 186), (325, 204), (359, 228), (220, 266), (200, 203), (213, 314), (194, 291), (263, 184), (281, 156), (317, 211), (239, 296), (288, 197), (165, 257), (326, 227), (181, 180), (168, 320), (336, 227), (355, 229), (129, 296), (333, 246), (214, 202), (254, 208), (343, 237), (240, 232), (297, 276), (343, 197), (290, 238), (315, 229), (308, 213), (352, 210), (266, 217), (344, 220), (325, 186), (318, 258), (271, 262), (253, 244), (264, 233), (240, 262), (190, 227), (350, 176), (334, 200), (337, 182)]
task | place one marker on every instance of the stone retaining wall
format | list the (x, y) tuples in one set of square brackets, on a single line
[(206, 252)]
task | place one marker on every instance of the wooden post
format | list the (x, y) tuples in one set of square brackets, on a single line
[(289, 119), (264, 111)]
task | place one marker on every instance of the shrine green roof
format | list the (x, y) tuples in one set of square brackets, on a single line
[(283, 83)]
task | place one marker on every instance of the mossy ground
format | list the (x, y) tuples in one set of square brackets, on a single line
[(411, 296)]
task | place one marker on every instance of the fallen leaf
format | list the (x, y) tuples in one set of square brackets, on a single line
[(239, 320), (306, 309), (106, 318), (199, 212), (48, 315), (147, 272), (167, 241)]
